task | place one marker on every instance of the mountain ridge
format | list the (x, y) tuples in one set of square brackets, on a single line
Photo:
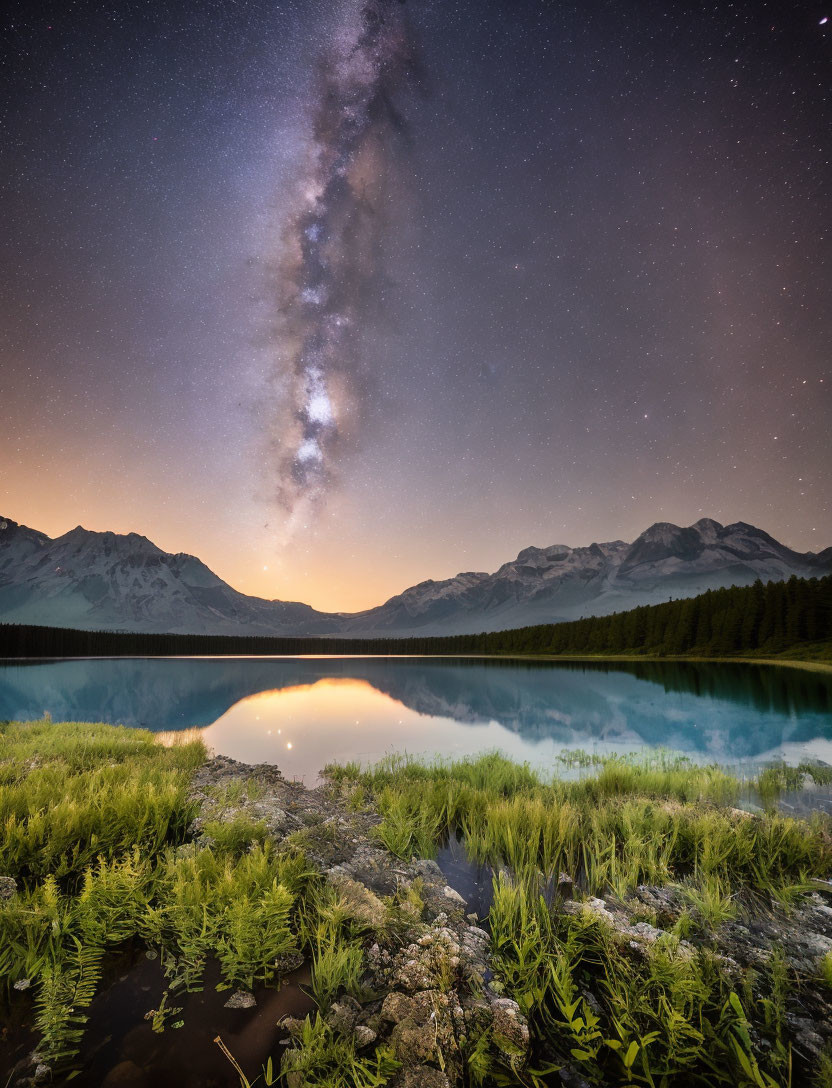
[(111, 581)]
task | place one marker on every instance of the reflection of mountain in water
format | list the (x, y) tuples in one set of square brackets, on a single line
[(727, 711)]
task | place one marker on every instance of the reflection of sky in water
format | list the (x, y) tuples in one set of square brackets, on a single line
[(361, 708), (303, 728)]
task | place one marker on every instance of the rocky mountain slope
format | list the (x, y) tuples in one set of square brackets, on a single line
[(544, 585), (113, 582), (109, 581)]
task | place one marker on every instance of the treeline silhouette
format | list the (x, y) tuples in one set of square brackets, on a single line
[(769, 618)]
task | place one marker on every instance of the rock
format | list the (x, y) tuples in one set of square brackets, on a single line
[(188, 849), (646, 932), (511, 1032), (413, 1043), (823, 886), (429, 869), (453, 895), (396, 1007), (364, 1035), (359, 902), (341, 1018), (289, 961), (8, 887), (422, 1076), (428, 1031), (292, 1024), (474, 932), (241, 999), (126, 1075), (472, 918)]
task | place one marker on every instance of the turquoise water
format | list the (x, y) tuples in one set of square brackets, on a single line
[(302, 712)]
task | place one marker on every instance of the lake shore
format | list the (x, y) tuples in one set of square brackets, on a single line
[(582, 956), (787, 662)]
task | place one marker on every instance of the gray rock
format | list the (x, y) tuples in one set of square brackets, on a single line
[(8, 887), (511, 1031), (453, 895), (364, 1036), (342, 1017), (241, 999)]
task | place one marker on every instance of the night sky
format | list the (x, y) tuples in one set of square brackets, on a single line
[(343, 295)]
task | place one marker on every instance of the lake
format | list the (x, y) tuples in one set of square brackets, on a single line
[(301, 713)]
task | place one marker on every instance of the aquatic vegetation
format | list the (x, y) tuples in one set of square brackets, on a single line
[(673, 1013), (710, 901), (336, 965), (324, 1058), (235, 835), (95, 826), (109, 850), (407, 829)]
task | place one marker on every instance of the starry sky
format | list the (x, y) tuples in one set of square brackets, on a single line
[(344, 294)]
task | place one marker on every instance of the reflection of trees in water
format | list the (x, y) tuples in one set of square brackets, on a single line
[(767, 688), (728, 709)]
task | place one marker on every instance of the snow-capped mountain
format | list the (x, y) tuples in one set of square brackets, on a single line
[(546, 585), (108, 581)]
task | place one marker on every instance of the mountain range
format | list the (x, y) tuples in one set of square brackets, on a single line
[(124, 582)]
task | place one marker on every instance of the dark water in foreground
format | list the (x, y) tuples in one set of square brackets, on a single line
[(301, 713)]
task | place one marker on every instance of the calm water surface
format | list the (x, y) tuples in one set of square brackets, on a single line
[(300, 713)]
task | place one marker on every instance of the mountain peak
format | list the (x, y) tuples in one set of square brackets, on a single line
[(707, 527), (661, 531), (123, 581)]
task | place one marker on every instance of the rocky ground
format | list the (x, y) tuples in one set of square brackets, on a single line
[(432, 974), (435, 981)]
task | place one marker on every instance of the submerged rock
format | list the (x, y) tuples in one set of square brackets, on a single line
[(241, 999), (125, 1075)]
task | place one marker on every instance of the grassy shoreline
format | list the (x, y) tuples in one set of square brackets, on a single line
[(808, 664), (621, 931), (788, 662)]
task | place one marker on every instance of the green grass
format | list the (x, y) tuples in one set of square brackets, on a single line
[(98, 829), (95, 825), (672, 1014), (826, 970), (324, 1058), (337, 965), (654, 819)]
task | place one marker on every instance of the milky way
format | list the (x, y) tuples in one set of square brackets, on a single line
[(586, 289), (329, 281)]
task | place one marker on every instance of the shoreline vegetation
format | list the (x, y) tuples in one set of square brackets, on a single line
[(638, 927), (784, 622)]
